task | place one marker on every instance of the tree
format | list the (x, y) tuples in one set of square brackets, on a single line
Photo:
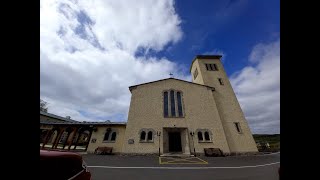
[(43, 105)]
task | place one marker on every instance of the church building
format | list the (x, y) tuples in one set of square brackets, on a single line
[(181, 117)]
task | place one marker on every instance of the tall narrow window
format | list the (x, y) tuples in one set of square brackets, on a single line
[(113, 136), (195, 74), (200, 138), (209, 67), (215, 67), (212, 67), (172, 100), (238, 127), (149, 135), (220, 81), (106, 136), (173, 108), (206, 136), (179, 104), (165, 104), (142, 136)]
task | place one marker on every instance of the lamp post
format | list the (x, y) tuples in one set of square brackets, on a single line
[(194, 149), (158, 134)]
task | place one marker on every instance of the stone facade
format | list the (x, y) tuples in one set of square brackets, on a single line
[(227, 104), (98, 136), (209, 105), (200, 112)]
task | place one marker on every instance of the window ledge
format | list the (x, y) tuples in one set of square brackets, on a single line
[(205, 141), (175, 117), (108, 141)]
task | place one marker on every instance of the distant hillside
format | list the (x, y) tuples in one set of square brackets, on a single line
[(272, 139)]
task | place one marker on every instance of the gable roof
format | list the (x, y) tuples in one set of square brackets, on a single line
[(131, 87), (205, 57)]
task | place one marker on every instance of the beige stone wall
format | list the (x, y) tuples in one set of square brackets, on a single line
[(199, 78), (146, 111), (99, 136), (228, 106)]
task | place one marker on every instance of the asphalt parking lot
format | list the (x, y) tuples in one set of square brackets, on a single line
[(153, 167)]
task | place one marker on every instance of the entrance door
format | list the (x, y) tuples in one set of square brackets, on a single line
[(175, 142)]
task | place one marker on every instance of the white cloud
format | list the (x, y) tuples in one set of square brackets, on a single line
[(87, 53), (257, 87), (87, 60)]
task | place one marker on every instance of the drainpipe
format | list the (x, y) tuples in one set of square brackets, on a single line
[(158, 134)]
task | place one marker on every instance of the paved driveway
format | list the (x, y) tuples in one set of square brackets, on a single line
[(148, 167)]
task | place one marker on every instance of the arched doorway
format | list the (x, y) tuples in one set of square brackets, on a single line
[(50, 137), (82, 139), (61, 143)]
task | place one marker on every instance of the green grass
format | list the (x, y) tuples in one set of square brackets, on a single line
[(270, 138)]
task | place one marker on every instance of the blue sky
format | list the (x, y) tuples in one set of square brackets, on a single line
[(92, 51), (233, 27)]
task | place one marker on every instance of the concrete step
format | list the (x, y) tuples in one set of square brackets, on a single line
[(176, 155)]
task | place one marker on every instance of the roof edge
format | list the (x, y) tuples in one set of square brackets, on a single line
[(71, 121), (134, 86)]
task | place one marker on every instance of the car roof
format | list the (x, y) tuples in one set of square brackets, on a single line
[(59, 154)]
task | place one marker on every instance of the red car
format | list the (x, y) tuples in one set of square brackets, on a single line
[(62, 165)]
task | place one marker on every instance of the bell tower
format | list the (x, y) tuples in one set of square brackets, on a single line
[(208, 70)]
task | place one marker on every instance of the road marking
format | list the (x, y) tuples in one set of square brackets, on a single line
[(239, 167), (202, 160)]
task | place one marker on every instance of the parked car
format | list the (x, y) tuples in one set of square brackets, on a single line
[(61, 165)]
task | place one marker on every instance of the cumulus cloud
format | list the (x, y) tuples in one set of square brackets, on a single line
[(87, 53), (257, 87)]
